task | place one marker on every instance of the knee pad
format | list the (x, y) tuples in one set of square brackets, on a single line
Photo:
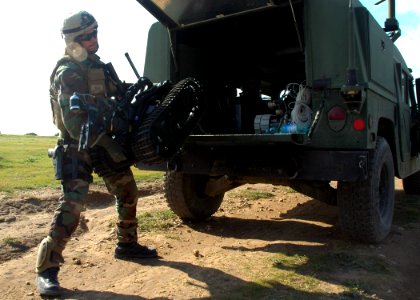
[(49, 255)]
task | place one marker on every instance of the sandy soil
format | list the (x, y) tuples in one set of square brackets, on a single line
[(221, 258)]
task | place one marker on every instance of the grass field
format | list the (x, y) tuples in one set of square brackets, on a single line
[(24, 164)]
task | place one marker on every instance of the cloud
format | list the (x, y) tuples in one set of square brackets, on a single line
[(408, 14), (405, 6), (407, 44)]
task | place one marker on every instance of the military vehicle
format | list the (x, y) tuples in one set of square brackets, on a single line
[(311, 94)]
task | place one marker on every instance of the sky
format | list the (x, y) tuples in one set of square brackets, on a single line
[(32, 44)]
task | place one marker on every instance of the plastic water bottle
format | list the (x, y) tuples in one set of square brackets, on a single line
[(288, 128)]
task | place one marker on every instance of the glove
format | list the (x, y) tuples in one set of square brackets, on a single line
[(114, 150)]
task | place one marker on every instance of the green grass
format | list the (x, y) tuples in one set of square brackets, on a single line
[(157, 220), (10, 241), (25, 165), (332, 261), (309, 275), (251, 194), (289, 190)]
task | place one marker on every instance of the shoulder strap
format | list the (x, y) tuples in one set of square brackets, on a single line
[(56, 111), (64, 59)]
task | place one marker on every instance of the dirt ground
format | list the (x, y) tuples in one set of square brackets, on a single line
[(240, 253)]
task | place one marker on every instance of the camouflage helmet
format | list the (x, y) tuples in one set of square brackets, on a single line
[(77, 24)]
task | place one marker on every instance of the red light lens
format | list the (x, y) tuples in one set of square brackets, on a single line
[(337, 113), (359, 124)]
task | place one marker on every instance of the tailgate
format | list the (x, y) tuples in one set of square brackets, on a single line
[(175, 13)]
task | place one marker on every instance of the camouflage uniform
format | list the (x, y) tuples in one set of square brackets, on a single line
[(68, 77), (83, 94)]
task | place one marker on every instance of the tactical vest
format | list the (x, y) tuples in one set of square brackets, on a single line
[(100, 83)]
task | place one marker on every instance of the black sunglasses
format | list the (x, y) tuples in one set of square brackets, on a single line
[(87, 37)]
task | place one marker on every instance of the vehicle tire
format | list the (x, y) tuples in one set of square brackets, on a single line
[(411, 184), (366, 207), (185, 196)]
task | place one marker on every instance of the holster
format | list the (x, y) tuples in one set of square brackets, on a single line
[(57, 155), (69, 163)]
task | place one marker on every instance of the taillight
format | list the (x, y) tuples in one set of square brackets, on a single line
[(337, 113), (359, 124), (337, 118)]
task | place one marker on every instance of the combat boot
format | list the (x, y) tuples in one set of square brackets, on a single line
[(134, 250), (47, 282)]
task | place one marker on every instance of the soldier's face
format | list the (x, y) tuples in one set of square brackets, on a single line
[(89, 41)]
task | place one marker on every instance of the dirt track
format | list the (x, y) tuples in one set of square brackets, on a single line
[(285, 246)]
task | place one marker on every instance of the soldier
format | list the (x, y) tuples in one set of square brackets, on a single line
[(80, 71)]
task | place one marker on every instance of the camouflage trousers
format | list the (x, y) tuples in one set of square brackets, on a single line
[(66, 217)]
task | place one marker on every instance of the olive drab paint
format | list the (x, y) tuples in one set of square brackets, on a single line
[(253, 57)]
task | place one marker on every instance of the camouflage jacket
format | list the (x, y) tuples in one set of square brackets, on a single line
[(91, 80)]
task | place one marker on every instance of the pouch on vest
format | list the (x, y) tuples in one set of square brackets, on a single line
[(96, 81)]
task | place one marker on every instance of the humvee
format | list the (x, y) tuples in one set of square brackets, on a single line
[(311, 94)]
